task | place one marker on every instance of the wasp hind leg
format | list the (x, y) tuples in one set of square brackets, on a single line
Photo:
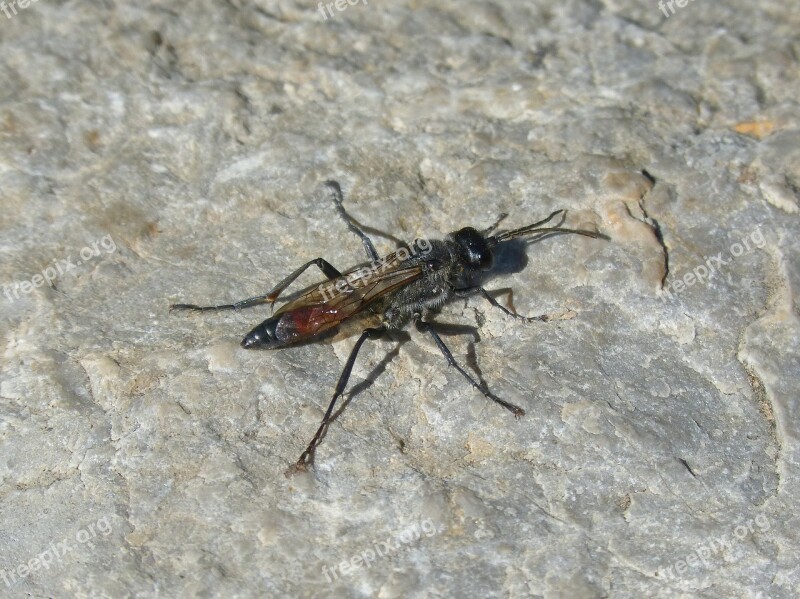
[(327, 269), (308, 455)]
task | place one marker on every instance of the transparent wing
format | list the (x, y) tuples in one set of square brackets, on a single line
[(324, 306)]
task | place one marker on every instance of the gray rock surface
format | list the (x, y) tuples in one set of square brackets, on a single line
[(181, 147)]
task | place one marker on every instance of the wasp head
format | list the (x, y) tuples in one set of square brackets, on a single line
[(473, 249)]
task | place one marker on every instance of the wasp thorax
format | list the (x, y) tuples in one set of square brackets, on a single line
[(473, 248)]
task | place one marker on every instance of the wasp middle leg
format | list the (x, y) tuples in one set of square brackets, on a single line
[(338, 200), (428, 327)]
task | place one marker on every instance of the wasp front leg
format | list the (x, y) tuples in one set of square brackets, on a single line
[(485, 294)]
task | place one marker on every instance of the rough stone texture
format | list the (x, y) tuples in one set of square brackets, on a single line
[(661, 449)]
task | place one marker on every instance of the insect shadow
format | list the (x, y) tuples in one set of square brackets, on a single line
[(407, 286)]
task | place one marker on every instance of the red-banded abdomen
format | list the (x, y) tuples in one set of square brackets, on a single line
[(295, 325)]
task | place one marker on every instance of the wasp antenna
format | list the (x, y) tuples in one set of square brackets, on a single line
[(495, 224), (494, 240), (592, 234), (537, 229)]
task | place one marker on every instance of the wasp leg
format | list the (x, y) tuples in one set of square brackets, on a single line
[(327, 269), (338, 199), (428, 327), (248, 303), (325, 266), (481, 291), (308, 454)]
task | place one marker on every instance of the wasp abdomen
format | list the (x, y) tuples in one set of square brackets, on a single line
[(291, 326)]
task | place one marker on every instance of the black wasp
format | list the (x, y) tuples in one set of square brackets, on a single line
[(406, 286)]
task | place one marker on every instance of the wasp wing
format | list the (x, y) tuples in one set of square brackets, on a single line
[(324, 306)]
